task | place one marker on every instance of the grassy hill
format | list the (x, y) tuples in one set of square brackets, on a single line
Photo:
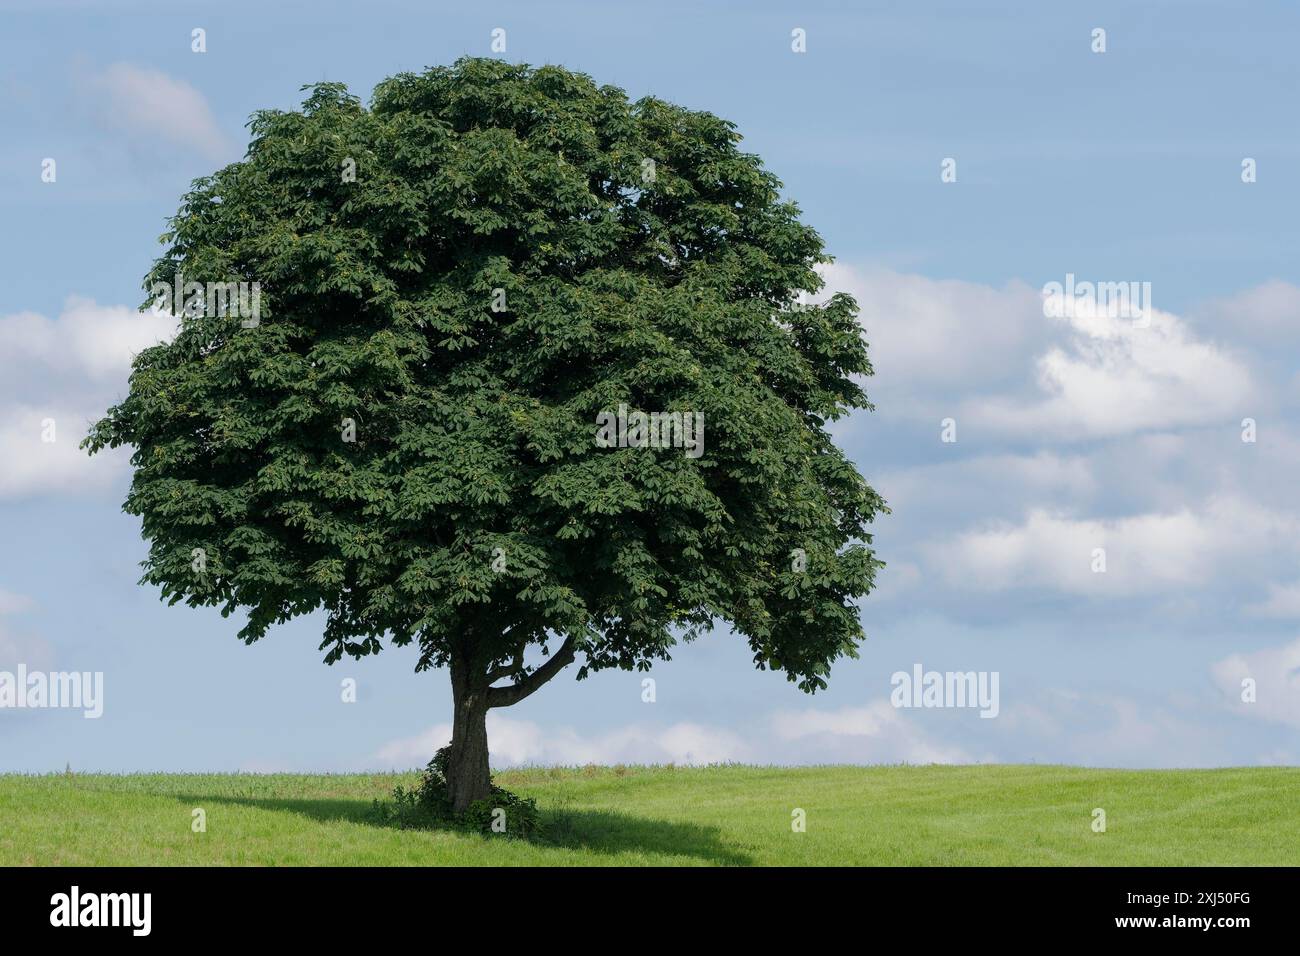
[(734, 815)]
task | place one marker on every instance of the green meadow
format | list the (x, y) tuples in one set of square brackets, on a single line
[(728, 815)]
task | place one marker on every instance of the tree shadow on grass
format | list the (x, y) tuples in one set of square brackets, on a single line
[(601, 831), (610, 831)]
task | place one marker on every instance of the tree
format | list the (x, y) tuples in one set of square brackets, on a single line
[(455, 288)]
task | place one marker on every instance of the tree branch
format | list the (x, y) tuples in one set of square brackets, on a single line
[(507, 670), (514, 693)]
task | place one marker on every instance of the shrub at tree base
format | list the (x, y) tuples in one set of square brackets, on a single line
[(429, 806)]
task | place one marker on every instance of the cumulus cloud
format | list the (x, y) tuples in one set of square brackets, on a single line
[(1078, 428), (1115, 375), (988, 484), (1144, 554), (87, 340), (150, 105), (936, 332), (1100, 725), (875, 733), (1283, 601), (993, 359), (897, 581), (1113, 730), (521, 742), (1049, 725), (34, 465), (1268, 315), (56, 376), (1276, 673)]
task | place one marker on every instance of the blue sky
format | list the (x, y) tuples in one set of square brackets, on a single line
[(1072, 434)]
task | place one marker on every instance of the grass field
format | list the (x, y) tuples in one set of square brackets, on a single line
[(728, 815)]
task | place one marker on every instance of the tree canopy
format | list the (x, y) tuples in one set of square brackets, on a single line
[(470, 271)]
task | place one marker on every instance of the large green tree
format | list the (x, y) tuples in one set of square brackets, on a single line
[(455, 283)]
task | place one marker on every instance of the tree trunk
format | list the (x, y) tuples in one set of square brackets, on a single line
[(468, 777), (472, 693)]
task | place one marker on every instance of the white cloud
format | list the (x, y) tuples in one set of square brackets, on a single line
[(153, 106), (67, 370), (1146, 553), (1283, 601), (34, 466), (875, 733), (993, 360), (985, 481), (896, 580), (87, 339), (1109, 726), (1096, 727), (1269, 314), (925, 332), (516, 742), (1115, 376), (1276, 672), (1110, 730)]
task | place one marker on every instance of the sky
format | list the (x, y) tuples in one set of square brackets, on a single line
[(1113, 535)]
